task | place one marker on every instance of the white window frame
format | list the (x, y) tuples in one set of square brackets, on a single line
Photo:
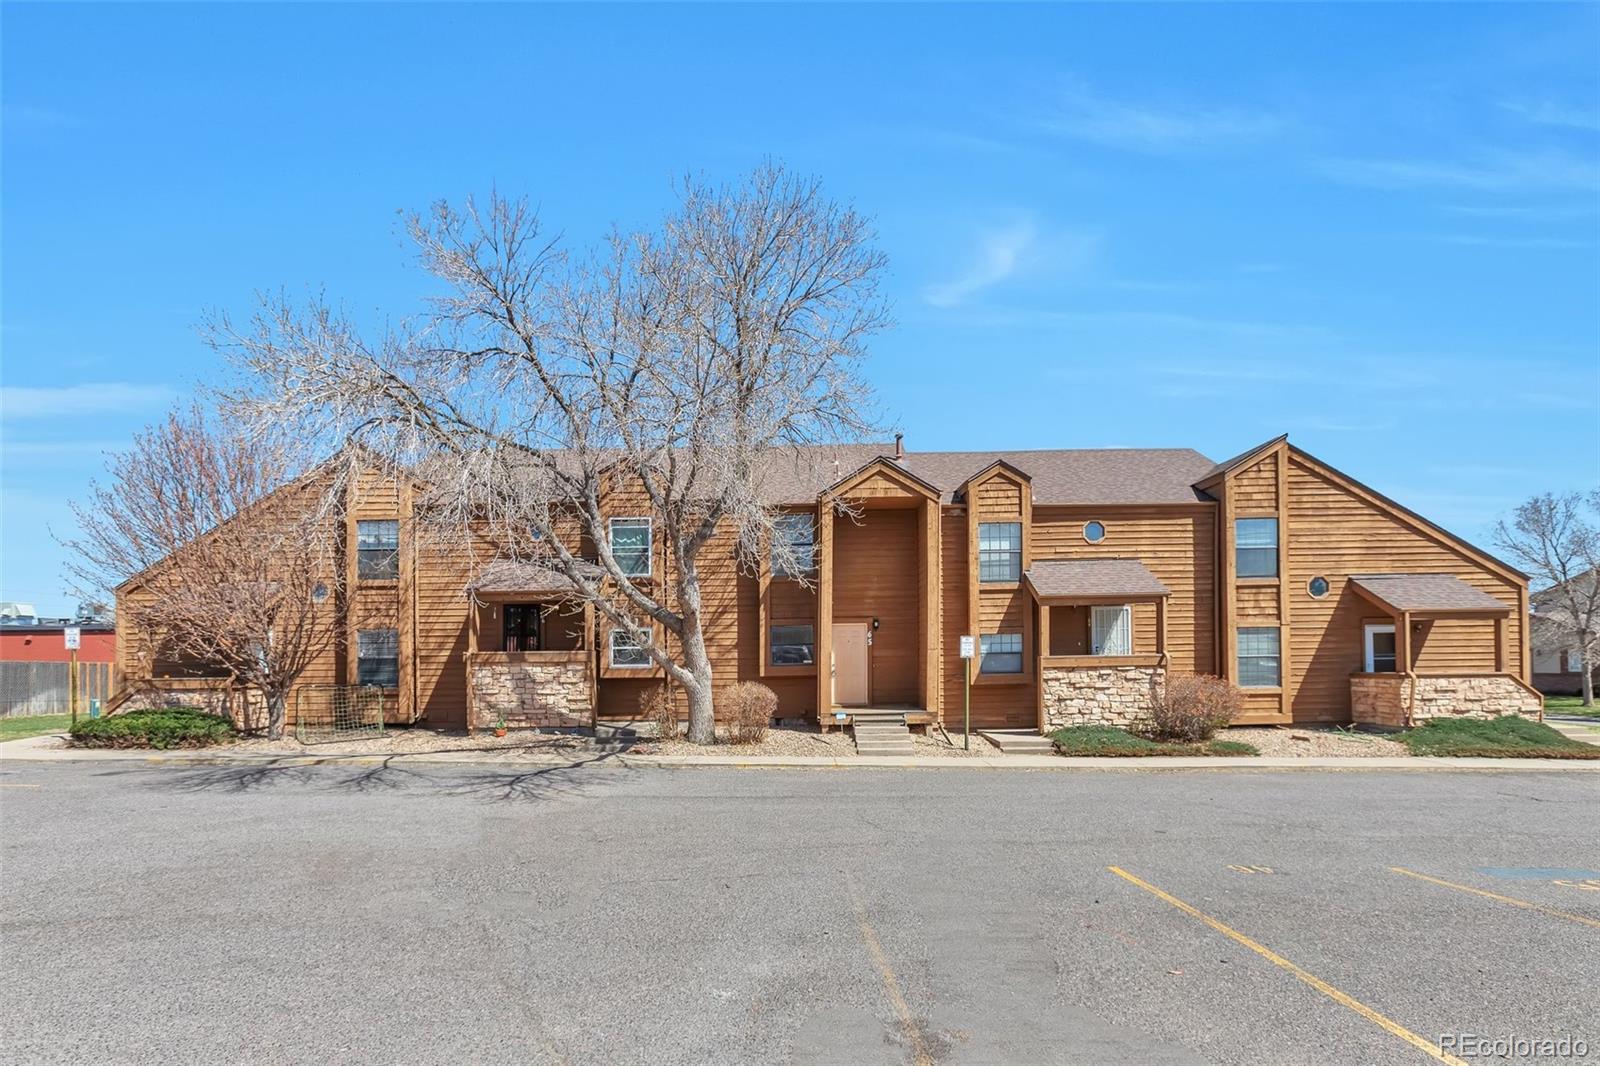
[(649, 542), (1012, 556), (1366, 644), (1275, 547), (809, 564), (1574, 661), (1125, 611), (611, 653), (984, 654)]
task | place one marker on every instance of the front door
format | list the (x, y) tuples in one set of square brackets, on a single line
[(851, 663)]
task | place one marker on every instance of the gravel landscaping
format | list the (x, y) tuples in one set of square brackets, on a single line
[(1278, 743), (812, 742)]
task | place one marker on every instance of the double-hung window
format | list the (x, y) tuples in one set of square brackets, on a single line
[(625, 651), (378, 657), (1259, 664), (1111, 631), (1000, 653), (377, 549), (794, 547), (1255, 547), (999, 551), (793, 645), (630, 545)]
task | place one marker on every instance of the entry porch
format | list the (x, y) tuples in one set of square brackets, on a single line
[(1393, 691), (530, 650)]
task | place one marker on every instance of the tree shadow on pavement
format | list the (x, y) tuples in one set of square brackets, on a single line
[(392, 774)]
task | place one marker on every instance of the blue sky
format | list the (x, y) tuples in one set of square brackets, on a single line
[(1372, 227)]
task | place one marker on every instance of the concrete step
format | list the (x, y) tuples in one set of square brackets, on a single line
[(882, 735), (1018, 741)]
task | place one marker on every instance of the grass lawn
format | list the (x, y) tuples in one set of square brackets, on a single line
[(31, 725), (1509, 737), (1570, 705), (1106, 741)]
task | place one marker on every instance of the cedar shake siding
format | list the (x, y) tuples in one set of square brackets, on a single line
[(918, 549)]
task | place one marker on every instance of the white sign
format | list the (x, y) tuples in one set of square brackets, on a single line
[(968, 647), (74, 637)]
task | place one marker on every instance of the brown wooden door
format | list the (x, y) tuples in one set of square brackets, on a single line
[(852, 668)]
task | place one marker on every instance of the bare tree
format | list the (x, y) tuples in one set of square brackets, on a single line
[(667, 368), (1557, 539), (219, 554)]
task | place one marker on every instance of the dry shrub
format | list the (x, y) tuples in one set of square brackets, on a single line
[(748, 708), (1194, 707), (657, 705)]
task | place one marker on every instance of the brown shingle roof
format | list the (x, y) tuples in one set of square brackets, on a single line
[(511, 575), (1077, 475), (1057, 578), (1426, 592)]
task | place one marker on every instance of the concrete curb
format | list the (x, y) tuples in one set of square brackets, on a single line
[(45, 749)]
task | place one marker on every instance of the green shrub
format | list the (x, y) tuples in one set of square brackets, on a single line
[(1507, 737), (168, 727), (1193, 707), (1107, 741)]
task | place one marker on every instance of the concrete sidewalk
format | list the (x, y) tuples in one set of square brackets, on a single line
[(49, 749)]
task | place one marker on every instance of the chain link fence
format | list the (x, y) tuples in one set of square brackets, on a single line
[(46, 688), (326, 713)]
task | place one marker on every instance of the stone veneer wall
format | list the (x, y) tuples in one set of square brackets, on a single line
[(246, 708), (1120, 696), (1383, 699), (532, 694)]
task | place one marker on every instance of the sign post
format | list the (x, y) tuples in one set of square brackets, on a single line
[(72, 636), (968, 647)]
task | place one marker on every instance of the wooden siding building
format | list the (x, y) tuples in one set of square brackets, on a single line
[(1087, 577)]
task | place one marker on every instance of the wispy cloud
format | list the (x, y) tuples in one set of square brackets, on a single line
[(1008, 251), (57, 449), (1555, 113), (1525, 212), (19, 402), (1529, 243), (1081, 114), (998, 254), (35, 115), (1494, 172)]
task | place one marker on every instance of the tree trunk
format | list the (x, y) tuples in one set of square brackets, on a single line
[(702, 719), (1586, 664), (277, 712)]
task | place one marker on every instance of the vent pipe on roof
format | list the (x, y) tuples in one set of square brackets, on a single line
[(899, 445)]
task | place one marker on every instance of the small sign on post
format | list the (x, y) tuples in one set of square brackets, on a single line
[(969, 649), (72, 636)]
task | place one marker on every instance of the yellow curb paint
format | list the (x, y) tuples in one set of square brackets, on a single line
[(919, 1045), (1383, 1022), (1509, 900)]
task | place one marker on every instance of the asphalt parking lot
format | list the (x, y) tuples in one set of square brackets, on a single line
[(389, 914)]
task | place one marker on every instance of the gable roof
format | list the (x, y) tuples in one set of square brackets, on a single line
[(1075, 475), (1425, 593), (1229, 465)]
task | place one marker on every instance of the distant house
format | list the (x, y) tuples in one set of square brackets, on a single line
[(1086, 577), (1557, 669)]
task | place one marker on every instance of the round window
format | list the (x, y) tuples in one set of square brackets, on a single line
[(1094, 532), (319, 593), (1318, 587)]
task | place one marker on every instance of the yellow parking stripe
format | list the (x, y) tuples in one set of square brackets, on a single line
[(921, 1054), (1524, 904), (1314, 981)]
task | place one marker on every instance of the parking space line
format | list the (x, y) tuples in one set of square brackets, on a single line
[(1383, 1022), (902, 1009), (1510, 900)]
